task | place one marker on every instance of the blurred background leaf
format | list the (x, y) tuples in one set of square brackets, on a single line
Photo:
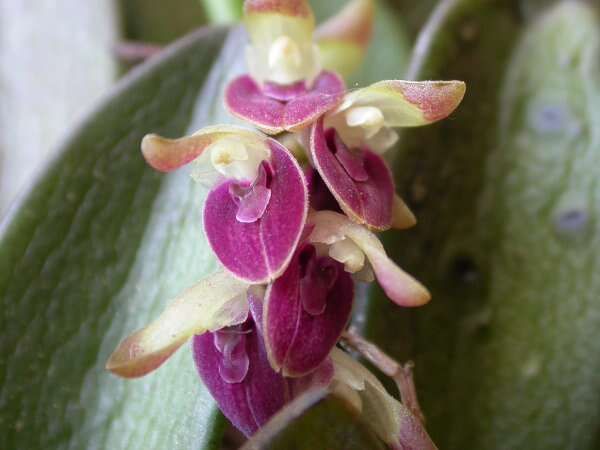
[(55, 62)]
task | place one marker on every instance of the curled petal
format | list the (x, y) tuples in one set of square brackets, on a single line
[(217, 301), (247, 100), (166, 155), (252, 395), (260, 250), (400, 287), (409, 103), (344, 38), (359, 179), (367, 115), (298, 334), (391, 420)]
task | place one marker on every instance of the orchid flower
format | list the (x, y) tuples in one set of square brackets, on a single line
[(256, 209), (234, 367), (306, 310), (362, 254), (286, 88), (392, 421), (346, 144)]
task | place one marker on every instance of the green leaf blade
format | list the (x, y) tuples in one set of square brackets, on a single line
[(93, 252)]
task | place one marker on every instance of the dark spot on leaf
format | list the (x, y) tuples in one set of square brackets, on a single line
[(553, 119), (571, 222)]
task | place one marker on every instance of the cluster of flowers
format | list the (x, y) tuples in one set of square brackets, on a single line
[(293, 228)]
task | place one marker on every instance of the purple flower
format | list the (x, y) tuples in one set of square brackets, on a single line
[(392, 421), (286, 89), (306, 310), (256, 209), (347, 143), (362, 254), (234, 366)]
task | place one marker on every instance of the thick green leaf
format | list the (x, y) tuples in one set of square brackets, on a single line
[(93, 252), (506, 194), (315, 421)]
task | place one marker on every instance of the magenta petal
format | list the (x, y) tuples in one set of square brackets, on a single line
[(298, 341), (284, 93), (353, 162), (367, 202), (275, 109), (326, 93), (251, 401), (259, 251), (245, 99)]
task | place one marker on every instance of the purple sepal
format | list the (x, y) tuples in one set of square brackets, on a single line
[(359, 179), (258, 251), (305, 311), (248, 398), (275, 109), (282, 92)]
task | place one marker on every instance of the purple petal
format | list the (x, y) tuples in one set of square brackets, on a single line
[(275, 109), (367, 202), (300, 332), (353, 162), (326, 93), (259, 251), (245, 99), (282, 92), (248, 401)]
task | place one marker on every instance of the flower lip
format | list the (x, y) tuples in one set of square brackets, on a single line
[(230, 342), (253, 200)]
